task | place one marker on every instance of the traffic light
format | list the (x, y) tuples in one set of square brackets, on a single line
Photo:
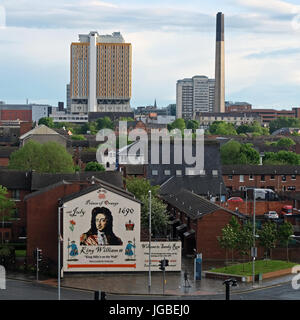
[(39, 253), (166, 263), (162, 265), (99, 295), (103, 295)]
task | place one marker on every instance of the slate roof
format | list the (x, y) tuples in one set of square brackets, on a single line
[(41, 180), (14, 179), (212, 161), (33, 181), (201, 185), (193, 205), (257, 169), (132, 169)]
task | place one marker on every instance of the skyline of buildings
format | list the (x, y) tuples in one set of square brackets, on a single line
[(100, 73), (193, 95)]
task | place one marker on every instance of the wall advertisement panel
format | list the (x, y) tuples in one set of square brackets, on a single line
[(101, 232)]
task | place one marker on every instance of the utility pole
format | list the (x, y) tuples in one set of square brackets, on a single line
[(253, 251), (149, 279)]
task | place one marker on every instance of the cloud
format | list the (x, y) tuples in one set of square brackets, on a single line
[(274, 53), (270, 6)]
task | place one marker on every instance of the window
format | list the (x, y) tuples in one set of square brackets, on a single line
[(16, 194), (262, 177), (215, 172), (202, 172), (230, 177), (178, 173), (241, 178), (283, 178), (251, 177), (272, 177), (291, 188), (293, 177), (154, 172), (167, 172)]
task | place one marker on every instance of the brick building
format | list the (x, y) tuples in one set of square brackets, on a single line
[(22, 183), (198, 222), (42, 213), (276, 177)]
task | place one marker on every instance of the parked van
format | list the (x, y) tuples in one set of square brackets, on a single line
[(265, 194)]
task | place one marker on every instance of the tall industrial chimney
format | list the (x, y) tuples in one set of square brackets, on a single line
[(220, 66)]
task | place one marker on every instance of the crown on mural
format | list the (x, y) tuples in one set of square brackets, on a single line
[(129, 225), (101, 196)]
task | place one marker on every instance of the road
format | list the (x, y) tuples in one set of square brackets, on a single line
[(24, 290)]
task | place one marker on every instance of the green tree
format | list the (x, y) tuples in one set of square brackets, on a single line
[(48, 157), (94, 166), (177, 124), (233, 152), (78, 137), (285, 142), (230, 152), (89, 126), (281, 157), (228, 239), (104, 123), (159, 216), (251, 155), (222, 128), (284, 233), (47, 122), (7, 206), (245, 239), (192, 124), (140, 188), (284, 122), (268, 237)]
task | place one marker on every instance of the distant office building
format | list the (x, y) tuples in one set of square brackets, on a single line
[(194, 95), (60, 106), (237, 106), (68, 97), (269, 115), (24, 112), (236, 118), (100, 74)]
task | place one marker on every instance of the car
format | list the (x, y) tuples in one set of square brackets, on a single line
[(271, 215), (235, 199)]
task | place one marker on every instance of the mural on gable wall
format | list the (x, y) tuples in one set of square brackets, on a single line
[(101, 232)]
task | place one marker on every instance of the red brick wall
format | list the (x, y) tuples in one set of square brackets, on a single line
[(208, 229), (260, 206), (276, 183), (25, 127), (23, 115), (42, 221), (4, 162)]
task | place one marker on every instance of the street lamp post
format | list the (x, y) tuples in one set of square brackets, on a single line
[(220, 192), (59, 247), (149, 280), (253, 251)]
